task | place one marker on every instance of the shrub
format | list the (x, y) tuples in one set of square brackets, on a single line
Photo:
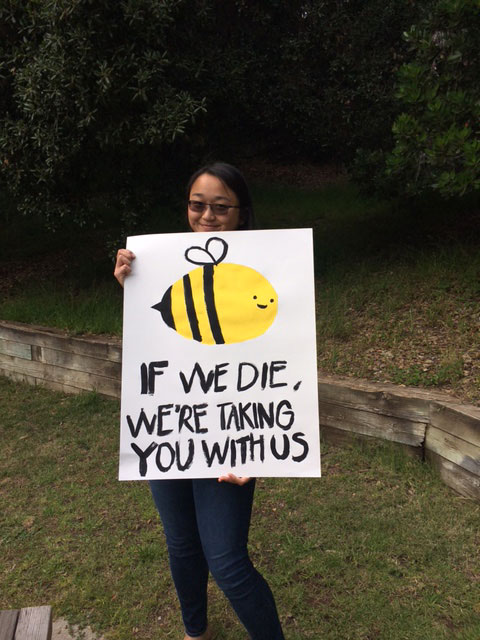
[(437, 136), (94, 97)]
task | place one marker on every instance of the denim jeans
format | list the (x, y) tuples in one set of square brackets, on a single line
[(206, 526)]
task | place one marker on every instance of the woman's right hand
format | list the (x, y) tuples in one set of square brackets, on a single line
[(123, 265)]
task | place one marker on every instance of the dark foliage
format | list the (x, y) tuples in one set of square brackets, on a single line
[(105, 107), (437, 137), (94, 96)]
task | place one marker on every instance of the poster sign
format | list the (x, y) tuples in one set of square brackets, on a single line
[(219, 367)]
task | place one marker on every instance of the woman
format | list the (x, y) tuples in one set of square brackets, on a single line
[(206, 521)]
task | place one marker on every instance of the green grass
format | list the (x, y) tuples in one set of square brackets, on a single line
[(413, 322), (377, 549), (96, 309)]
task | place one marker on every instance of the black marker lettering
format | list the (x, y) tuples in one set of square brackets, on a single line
[(183, 466), (243, 441), (163, 410), (259, 441), (144, 378), (222, 406), (148, 376), (215, 452), (142, 419), (288, 414), (233, 454), (264, 374), (277, 365), (143, 455), (158, 458), (220, 370), (199, 410), (233, 417), (184, 417), (205, 381), (298, 438), (244, 417), (264, 417), (241, 386), (286, 447)]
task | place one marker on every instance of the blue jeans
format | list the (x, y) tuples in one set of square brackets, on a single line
[(206, 525)]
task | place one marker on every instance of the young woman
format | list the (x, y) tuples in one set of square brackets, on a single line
[(206, 521)]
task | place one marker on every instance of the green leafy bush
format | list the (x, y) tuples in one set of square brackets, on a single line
[(95, 96), (437, 136)]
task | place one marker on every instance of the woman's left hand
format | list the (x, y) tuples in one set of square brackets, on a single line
[(233, 479)]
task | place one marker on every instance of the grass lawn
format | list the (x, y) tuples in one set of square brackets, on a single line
[(398, 287), (377, 549)]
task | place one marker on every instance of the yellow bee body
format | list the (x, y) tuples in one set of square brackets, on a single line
[(219, 303)]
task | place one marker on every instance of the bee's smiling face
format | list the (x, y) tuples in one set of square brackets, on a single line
[(246, 302), (263, 302), (263, 297)]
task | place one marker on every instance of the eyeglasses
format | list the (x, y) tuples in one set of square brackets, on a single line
[(218, 209)]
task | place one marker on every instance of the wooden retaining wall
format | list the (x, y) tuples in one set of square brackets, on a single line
[(430, 424), (71, 364)]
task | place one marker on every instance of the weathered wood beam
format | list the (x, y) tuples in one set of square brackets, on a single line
[(34, 623)]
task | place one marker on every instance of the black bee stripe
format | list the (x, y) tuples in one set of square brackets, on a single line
[(210, 304), (191, 313)]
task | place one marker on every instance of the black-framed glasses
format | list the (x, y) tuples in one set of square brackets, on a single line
[(218, 209)]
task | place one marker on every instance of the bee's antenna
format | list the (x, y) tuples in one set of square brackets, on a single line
[(201, 256)]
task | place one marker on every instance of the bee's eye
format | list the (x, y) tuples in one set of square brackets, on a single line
[(254, 297), (271, 300)]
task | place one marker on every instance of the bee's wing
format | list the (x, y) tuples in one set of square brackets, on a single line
[(197, 255), (217, 248), (214, 252)]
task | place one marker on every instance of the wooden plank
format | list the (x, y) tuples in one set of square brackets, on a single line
[(78, 362), (65, 388), (361, 384), (107, 348), (49, 384), (34, 623), (16, 376), (47, 373), (11, 348), (382, 399), (55, 386), (461, 420), (459, 479), (8, 624), (372, 424), (449, 446), (341, 438)]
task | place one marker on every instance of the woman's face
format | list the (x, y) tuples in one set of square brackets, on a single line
[(208, 189)]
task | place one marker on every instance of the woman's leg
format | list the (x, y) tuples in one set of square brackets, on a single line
[(175, 504), (223, 516)]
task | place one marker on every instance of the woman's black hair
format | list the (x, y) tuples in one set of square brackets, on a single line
[(231, 177)]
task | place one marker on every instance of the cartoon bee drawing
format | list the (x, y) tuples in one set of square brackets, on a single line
[(218, 302)]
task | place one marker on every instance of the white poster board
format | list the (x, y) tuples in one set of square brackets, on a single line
[(219, 369)]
